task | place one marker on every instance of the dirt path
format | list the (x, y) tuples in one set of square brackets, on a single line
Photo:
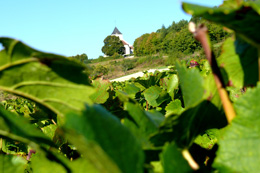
[(135, 75)]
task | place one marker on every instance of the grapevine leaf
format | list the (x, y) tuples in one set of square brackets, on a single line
[(234, 63), (151, 81), (92, 154), (156, 117), (131, 90), (173, 161), (103, 128), (18, 128), (151, 94), (234, 93), (164, 82), (155, 96), (50, 80), (184, 128), (232, 3), (192, 86), (203, 110), (10, 164), (101, 95), (174, 107), (140, 123), (173, 84), (208, 139), (157, 166), (44, 163), (13, 147), (238, 147), (49, 130), (40, 163)]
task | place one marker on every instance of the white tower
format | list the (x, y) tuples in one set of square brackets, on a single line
[(117, 33)]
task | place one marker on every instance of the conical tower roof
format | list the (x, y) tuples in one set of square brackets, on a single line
[(116, 31)]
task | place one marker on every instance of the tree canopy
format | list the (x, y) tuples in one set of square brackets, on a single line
[(82, 58), (113, 45), (176, 37)]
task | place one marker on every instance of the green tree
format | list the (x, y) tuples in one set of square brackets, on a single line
[(82, 58), (113, 45)]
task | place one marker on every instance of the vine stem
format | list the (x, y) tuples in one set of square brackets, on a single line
[(258, 50), (52, 120), (1, 144), (201, 34), (186, 154)]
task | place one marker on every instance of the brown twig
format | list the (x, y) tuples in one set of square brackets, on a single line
[(201, 34)]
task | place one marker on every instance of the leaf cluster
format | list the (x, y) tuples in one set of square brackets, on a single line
[(162, 122)]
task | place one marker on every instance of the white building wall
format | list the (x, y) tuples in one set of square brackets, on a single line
[(127, 49)]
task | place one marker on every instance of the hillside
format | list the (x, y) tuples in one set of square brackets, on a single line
[(159, 49)]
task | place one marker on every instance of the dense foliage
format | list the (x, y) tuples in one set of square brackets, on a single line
[(112, 45), (175, 38), (163, 122), (83, 58)]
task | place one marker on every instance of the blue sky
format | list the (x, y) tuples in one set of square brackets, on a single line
[(70, 27)]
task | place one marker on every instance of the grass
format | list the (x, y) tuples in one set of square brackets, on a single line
[(115, 67)]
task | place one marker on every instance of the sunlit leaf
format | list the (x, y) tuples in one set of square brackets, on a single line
[(98, 125), (50, 80), (101, 95), (141, 123), (238, 147), (173, 161), (10, 164)]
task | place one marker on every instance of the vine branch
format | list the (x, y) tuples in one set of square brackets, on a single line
[(201, 34)]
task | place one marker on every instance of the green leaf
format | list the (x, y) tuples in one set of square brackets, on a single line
[(173, 84), (192, 85), (39, 164), (150, 81), (238, 146), (11, 164), (208, 139), (18, 128), (155, 96), (151, 94), (103, 128), (173, 161), (131, 90), (234, 93), (43, 78), (93, 155), (235, 64), (174, 107), (184, 128), (14, 147), (101, 95), (140, 123), (234, 17), (203, 110), (49, 130), (157, 166)]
